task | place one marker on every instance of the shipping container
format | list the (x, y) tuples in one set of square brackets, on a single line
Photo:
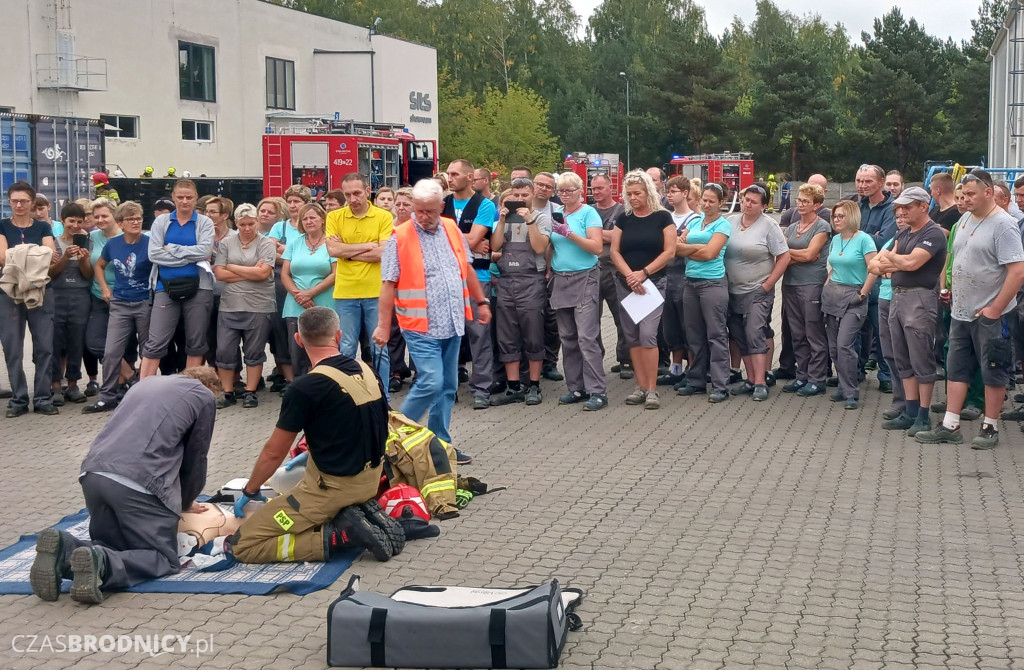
[(57, 155)]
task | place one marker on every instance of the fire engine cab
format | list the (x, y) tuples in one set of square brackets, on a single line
[(588, 166), (735, 170), (319, 152)]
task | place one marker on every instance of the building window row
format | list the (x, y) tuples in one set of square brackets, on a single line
[(116, 125), (196, 131)]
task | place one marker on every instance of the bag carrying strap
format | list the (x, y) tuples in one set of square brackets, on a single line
[(496, 635), (378, 621), (362, 388)]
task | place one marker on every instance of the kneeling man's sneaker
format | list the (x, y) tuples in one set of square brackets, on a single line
[(89, 565), (48, 568)]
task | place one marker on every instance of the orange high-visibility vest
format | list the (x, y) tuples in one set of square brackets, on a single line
[(411, 289)]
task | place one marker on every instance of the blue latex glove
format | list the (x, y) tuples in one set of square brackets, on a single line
[(298, 460), (243, 499)]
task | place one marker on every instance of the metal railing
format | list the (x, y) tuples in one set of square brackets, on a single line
[(71, 73)]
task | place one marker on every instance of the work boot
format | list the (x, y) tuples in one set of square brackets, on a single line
[(940, 435), (508, 397), (534, 395), (988, 438), (57, 397), (920, 425), (595, 402), (810, 389), (90, 566), (902, 422), (226, 399), (970, 413), (1013, 415), (392, 529), (760, 392), (92, 388), (651, 400), (551, 373), (687, 390), (745, 387), (794, 386), (351, 528), (626, 371), (48, 568), (891, 413), (718, 396), (637, 397), (74, 394), (837, 396)]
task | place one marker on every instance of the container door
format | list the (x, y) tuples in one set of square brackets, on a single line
[(15, 155), (68, 151)]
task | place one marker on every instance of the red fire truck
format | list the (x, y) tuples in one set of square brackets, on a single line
[(318, 152), (588, 166), (735, 170)]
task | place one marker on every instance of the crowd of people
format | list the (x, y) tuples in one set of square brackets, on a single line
[(880, 281)]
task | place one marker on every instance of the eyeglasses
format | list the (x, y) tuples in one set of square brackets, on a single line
[(20, 203), (522, 182), (804, 201), (132, 219), (567, 191), (213, 211)]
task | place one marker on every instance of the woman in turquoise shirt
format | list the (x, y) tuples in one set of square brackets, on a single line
[(574, 287), (844, 298), (706, 296), (101, 212), (307, 272)]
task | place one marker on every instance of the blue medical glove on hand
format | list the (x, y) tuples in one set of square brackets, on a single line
[(298, 460), (245, 499)]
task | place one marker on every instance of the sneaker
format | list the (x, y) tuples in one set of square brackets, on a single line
[(939, 435), (6, 393), (851, 403), (902, 422), (394, 385), (745, 387), (573, 397), (669, 379), (481, 402), (970, 413), (249, 399), (497, 388), (226, 400), (89, 566), (595, 402), (463, 375), (651, 400), (534, 395), (1017, 397), (278, 384), (92, 388), (392, 529), (735, 376), (718, 396), (626, 372), (57, 398), (783, 373), (810, 389), (352, 528), (769, 379), (920, 426), (462, 458), (938, 407), (48, 567), (687, 390), (74, 394), (98, 407), (507, 398), (760, 392), (46, 409), (1013, 414), (988, 438), (238, 388), (891, 413), (16, 411), (794, 386), (832, 382), (618, 368), (551, 373), (885, 386), (836, 396), (637, 397), (871, 364)]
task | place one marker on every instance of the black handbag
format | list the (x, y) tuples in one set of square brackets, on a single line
[(181, 288)]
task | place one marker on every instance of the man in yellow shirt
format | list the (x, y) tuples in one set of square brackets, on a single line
[(356, 236)]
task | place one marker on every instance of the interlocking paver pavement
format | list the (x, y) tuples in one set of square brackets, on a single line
[(783, 534)]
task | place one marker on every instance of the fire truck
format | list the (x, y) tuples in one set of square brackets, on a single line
[(588, 166), (735, 170), (318, 152)]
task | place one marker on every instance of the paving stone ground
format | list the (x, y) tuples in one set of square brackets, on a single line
[(783, 534)]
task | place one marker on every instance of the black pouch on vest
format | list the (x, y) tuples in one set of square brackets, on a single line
[(181, 288)]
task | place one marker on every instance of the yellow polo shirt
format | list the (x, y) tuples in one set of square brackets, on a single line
[(359, 279)]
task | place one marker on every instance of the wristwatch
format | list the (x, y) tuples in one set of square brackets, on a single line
[(485, 301)]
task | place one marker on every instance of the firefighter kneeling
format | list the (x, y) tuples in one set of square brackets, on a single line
[(341, 407)]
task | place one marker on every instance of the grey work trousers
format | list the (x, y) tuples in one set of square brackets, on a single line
[(552, 340), (136, 532), (609, 296), (96, 329), (125, 319), (481, 350), (280, 341), (844, 317), (801, 309), (705, 312), (578, 328), (13, 319), (70, 318), (913, 314), (164, 322), (899, 396)]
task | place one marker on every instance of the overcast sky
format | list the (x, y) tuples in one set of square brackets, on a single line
[(941, 18)]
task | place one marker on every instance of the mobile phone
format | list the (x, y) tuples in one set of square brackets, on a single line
[(558, 217), (514, 205), (80, 240)]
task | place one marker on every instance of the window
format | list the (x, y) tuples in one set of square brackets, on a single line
[(6, 110), (196, 80), (196, 131), (280, 84), (120, 126)]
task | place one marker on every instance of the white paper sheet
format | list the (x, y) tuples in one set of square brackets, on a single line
[(638, 306)]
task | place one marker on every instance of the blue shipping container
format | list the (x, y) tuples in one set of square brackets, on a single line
[(15, 155), (67, 153)]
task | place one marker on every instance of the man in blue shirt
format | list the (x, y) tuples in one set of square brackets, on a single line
[(475, 216), (877, 220)]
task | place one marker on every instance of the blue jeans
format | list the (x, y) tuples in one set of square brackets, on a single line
[(355, 315), (437, 378)]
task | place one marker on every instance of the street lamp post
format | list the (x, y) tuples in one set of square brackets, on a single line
[(628, 163)]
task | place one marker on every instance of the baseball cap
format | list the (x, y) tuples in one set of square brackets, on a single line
[(912, 195)]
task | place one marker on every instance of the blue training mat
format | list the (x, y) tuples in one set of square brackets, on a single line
[(227, 576)]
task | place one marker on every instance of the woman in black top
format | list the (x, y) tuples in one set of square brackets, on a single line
[(643, 242)]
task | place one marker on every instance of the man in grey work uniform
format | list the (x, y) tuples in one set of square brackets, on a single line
[(610, 211), (142, 471)]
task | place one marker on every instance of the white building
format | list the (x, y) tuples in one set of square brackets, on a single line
[(191, 83), (1006, 105)]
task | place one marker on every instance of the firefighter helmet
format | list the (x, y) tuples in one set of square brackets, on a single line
[(148, 170), (100, 178), (171, 171), (397, 498)]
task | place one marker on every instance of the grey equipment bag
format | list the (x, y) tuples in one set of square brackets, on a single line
[(451, 627)]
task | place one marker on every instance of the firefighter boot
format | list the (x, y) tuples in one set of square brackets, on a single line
[(350, 528), (391, 528)]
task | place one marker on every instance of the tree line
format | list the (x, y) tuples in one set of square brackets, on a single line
[(522, 81)]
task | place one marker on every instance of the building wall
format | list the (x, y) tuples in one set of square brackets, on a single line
[(1006, 119), (139, 40)]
